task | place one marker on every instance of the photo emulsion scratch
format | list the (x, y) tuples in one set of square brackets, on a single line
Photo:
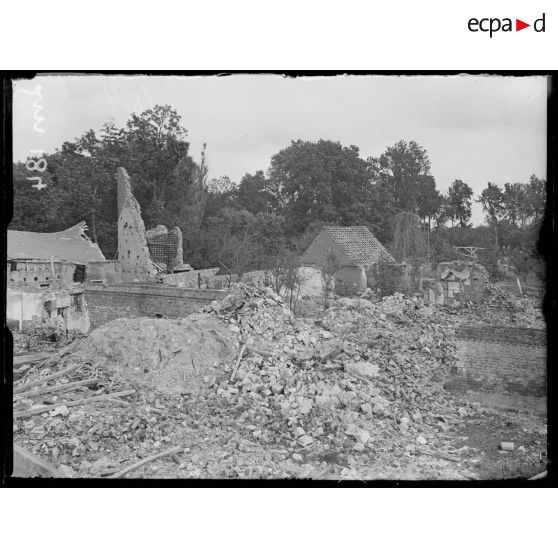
[(260, 277)]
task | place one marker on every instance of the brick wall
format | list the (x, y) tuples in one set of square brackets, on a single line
[(507, 360), (108, 302)]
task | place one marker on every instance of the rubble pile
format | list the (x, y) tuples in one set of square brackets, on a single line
[(502, 307), (165, 355), (250, 390), (341, 382)]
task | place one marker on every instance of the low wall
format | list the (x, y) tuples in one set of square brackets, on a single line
[(108, 302), (498, 359)]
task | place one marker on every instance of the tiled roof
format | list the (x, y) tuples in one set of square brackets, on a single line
[(358, 244), (70, 245)]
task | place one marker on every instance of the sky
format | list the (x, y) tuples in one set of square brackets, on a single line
[(474, 128)]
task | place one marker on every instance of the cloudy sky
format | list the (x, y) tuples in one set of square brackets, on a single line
[(475, 128)]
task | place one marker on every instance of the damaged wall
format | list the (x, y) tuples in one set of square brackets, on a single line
[(133, 254), (352, 276), (40, 271), (459, 281), (165, 247), (105, 271), (28, 307), (506, 360), (108, 302)]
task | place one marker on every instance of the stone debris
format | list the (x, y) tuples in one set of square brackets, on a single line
[(309, 398), (164, 355)]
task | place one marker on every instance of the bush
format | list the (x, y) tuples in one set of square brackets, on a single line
[(345, 289), (52, 329), (386, 278)]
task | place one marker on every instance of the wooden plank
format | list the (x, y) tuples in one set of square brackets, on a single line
[(59, 387), (19, 360), (171, 451), (56, 356), (241, 354), (45, 379), (85, 401)]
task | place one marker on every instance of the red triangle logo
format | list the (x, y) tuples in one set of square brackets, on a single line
[(519, 25)]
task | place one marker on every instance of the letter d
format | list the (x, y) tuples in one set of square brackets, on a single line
[(535, 25)]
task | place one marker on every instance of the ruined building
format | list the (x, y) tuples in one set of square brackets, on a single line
[(459, 281), (45, 273), (165, 248), (134, 284), (134, 260)]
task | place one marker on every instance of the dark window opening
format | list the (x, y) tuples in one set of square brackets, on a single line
[(35, 278), (13, 266), (158, 315), (48, 307), (79, 274)]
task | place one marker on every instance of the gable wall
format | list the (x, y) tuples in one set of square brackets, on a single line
[(317, 252)]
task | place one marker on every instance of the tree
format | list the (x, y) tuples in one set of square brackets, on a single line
[(221, 185), (156, 143), (254, 195), (430, 200), (230, 241), (408, 239), (319, 181), (406, 167), (514, 202), (536, 198), (459, 202), (492, 199)]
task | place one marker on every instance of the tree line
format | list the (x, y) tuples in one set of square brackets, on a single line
[(269, 215)]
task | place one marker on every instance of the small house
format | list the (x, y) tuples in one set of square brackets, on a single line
[(353, 249)]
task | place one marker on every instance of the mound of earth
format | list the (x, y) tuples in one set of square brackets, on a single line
[(165, 355)]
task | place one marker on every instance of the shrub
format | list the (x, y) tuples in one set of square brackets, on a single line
[(387, 278)]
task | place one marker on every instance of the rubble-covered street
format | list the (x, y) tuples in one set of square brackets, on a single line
[(247, 390)]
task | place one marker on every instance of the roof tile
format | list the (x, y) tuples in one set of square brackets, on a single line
[(358, 244)]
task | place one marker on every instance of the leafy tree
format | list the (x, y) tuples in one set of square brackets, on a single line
[(459, 202), (514, 202), (536, 198), (408, 241), (430, 200), (156, 143), (406, 167), (221, 185), (254, 195), (321, 181), (492, 199)]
